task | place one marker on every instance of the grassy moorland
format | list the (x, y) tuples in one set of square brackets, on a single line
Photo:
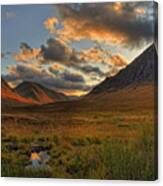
[(94, 145)]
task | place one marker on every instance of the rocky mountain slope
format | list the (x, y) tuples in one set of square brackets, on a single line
[(142, 70)]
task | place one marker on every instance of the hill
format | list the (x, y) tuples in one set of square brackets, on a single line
[(39, 93), (10, 98), (142, 70)]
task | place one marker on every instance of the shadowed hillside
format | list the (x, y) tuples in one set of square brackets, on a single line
[(10, 98), (39, 93), (142, 69)]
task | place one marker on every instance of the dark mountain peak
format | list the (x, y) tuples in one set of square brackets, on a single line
[(142, 69), (29, 84)]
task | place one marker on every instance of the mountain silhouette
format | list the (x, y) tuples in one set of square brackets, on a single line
[(142, 70)]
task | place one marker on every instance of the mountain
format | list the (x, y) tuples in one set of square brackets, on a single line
[(9, 97), (39, 93), (134, 88), (142, 70), (4, 85)]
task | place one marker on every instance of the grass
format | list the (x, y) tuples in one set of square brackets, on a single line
[(103, 145)]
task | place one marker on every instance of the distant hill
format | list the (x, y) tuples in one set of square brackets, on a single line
[(4, 85), (9, 97), (39, 93)]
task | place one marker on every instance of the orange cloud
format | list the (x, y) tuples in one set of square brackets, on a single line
[(56, 67), (118, 60), (11, 69), (100, 55), (75, 30), (139, 10), (50, 24), (117, 6), (26, 55), (111, 23), (93, 54)]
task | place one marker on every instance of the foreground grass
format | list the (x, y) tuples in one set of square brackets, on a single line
[(98, 146)]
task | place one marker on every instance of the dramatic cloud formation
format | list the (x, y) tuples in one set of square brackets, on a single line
[(63, 81), (96, 54), (111, 28), (66, 69), (120, 23)]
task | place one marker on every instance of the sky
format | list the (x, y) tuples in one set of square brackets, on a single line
[(71, 48)]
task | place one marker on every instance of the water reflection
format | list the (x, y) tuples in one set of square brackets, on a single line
[(39, 159), (36, 160)]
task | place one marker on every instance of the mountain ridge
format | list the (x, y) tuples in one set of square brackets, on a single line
[(9, 97), (142, 69), (39, 93)]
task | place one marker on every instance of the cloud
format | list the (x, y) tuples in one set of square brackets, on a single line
[(51, 23), (127, 23), (89, 69), (94, 54), (26, 54), (139, 10), (58, 81), (58, 66), (57, 50), (65, 74), (23, 72), (99, 55), (118, 60), (72, 77), (5, 54)]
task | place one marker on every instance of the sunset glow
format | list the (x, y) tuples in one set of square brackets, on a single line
[(71, 48)]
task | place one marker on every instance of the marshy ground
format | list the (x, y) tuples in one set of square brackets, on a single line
[(94, 145)]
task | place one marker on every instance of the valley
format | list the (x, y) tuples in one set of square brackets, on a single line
[(108, 134)]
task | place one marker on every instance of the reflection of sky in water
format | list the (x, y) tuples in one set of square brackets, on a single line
[(35, 156), (39, 159)]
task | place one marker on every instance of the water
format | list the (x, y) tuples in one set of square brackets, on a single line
[(39, 160)]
